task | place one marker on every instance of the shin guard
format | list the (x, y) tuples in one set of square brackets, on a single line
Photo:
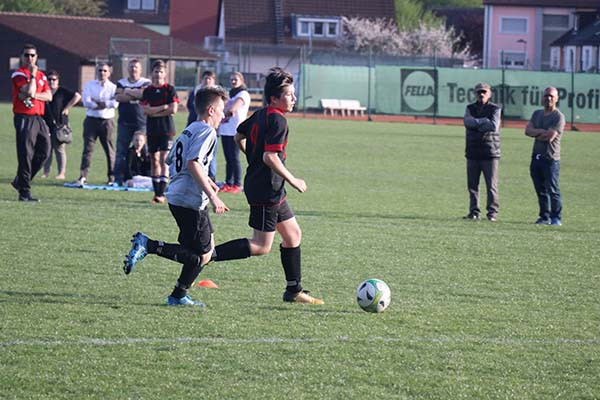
[(232, 250), (291, 262)]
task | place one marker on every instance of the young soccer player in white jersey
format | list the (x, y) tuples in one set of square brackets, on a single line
[(188, 195)]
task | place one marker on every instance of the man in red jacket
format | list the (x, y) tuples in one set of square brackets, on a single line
[(30, 90)]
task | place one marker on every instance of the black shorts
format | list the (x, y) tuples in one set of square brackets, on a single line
[(195, 229), (158, 143), (266, 218)]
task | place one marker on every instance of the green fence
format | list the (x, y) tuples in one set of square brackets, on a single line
[(445, 92)]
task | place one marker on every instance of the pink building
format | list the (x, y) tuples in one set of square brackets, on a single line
[(518, 33)]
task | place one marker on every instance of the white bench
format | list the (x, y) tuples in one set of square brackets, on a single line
[(331, 105), (352, 106)]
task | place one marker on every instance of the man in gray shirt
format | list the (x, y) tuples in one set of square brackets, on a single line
[(546, 127)]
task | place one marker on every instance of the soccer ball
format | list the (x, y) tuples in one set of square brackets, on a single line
[(373, 295)]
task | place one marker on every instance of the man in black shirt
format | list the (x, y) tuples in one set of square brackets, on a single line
[(263, 138), (131, 116), (482, 151)]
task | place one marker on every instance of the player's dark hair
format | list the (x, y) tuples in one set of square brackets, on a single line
[(207, 96), (159, 64), (277, 81), (53, 72), (29, 46)]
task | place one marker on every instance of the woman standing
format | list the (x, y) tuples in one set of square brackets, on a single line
[(56, 114), (236, 111)]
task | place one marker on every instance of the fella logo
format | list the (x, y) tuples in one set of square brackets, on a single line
[(418, 90)]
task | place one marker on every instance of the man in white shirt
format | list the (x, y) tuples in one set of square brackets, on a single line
[(99, 100)]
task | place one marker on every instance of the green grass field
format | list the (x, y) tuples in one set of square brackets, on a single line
[(480, 310)]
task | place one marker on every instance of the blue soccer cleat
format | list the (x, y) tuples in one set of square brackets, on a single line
[(184, 301), (137, 253)]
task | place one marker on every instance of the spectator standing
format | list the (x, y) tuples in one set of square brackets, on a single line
[(208, 79), (236, 110), (29, 92), (263, 138), (100, 103), (546, 127), (482, 151), (159, 102), (57, 114), (131, 116)]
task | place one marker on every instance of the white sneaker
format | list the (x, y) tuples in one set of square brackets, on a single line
[(80, 182)]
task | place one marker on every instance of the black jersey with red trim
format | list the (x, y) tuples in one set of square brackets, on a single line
[(266, 130), (158, 96)]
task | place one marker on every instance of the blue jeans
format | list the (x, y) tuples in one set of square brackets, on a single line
[(124, 137), (544, 174), (233, 168)]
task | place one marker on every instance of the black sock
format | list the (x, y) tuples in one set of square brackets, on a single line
[(232, 250), (189, 272), (172, 251), (179, 290), (155, 183), (291, 262), (162, 185)]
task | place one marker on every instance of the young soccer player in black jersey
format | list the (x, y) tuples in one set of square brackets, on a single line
[(159, 102), (263, 138)]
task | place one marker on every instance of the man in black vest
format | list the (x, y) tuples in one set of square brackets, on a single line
[(482, 151)]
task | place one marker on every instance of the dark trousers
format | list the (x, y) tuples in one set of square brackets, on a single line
[(233, 168), (544, 174), (33, 147), (103, 129), (489, 168)]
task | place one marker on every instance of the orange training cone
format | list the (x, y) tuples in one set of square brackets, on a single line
[(207, 283)]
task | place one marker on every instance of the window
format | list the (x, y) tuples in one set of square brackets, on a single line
[(586, 58), (556, 22), (570, 58), (512, 59), (513, 25), (185, 74), (328, 28), (304, 28), (555, 58), (14, 63), (144, 5), (332, 29)]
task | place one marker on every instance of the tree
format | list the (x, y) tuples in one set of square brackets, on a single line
[(411, 13), (378, 36), (30, 6), (451, 3), (92, 8), (381, 36)]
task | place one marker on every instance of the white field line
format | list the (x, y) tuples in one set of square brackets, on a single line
[(275, 340)]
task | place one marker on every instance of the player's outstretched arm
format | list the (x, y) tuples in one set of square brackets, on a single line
[(204, 182), (271, 159)]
